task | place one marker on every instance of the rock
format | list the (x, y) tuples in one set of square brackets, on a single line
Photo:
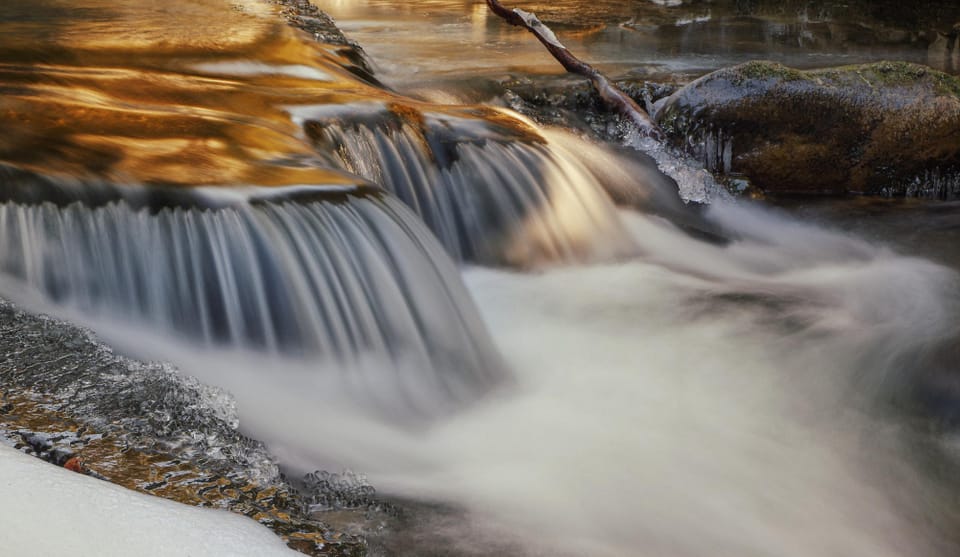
[(74, 464), (303, 15), (888, 128), (572, 102)]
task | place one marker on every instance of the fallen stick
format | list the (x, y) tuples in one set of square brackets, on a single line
[(609, 93)]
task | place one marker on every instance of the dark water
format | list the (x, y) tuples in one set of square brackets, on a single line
[(414, 42), (922, 228)]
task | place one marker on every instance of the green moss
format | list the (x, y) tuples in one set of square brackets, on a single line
[(761, 69), (876, 75), (890, 74), (893, 74), (946, 84)]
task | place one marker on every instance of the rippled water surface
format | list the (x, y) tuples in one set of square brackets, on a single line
[(141, 93)]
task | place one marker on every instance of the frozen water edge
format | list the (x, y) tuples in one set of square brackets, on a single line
[(695, 182), (51, 511), (148, 404)]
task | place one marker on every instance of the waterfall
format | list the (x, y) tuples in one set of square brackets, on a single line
[(357, 283), (489, 196)]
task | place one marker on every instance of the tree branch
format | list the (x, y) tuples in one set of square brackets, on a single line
[(609, 93)]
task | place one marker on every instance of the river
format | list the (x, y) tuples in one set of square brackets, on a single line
[(445, 296)]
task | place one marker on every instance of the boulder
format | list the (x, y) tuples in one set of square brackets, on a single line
[(887, 128)]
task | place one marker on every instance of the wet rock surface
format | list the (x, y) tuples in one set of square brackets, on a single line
[(303, 15), (883, 129), (71, 401), (572, 102)]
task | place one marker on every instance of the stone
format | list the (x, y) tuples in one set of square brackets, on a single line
[(303, 15), (886, 128)]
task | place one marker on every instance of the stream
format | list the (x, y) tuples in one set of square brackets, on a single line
[(394, 275)]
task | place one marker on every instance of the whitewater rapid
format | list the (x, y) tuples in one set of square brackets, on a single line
[(697, 400)]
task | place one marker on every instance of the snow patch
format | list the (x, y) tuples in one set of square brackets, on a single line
[(51, 511)]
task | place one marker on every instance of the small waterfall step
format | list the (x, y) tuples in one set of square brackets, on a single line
[(357, 283)]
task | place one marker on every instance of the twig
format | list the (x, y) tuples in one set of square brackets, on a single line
[(609, 93)]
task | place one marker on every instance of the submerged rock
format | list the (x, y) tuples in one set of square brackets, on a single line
[(888, 128), (303, 15)]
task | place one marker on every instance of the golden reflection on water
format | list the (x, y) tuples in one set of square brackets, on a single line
[(140, 92), (184, 93), (176, 93), (127, 25)]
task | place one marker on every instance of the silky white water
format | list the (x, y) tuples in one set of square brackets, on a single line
[(698, 400)]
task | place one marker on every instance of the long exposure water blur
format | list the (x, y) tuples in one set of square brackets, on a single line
[(391, 273)]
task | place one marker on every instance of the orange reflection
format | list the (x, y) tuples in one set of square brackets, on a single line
[(198, 93)]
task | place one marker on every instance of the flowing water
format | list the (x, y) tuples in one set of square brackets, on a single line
[(609, 371), (361, 284)]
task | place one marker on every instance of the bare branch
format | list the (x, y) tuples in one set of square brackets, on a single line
[(609, 93)]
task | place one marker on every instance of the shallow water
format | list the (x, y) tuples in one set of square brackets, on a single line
[(446, 40)]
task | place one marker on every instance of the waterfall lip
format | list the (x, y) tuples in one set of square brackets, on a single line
[(238, 195), (29, 188), (301, 115), (461, 123), (486, 187), (358, 287)]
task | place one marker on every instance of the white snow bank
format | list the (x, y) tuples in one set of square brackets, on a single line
[(46, 511)]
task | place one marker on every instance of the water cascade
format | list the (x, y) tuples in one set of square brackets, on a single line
[(701, 399), (491, 193), (359, 283)]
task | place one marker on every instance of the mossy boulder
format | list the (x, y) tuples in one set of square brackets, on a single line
[(882, 128)]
